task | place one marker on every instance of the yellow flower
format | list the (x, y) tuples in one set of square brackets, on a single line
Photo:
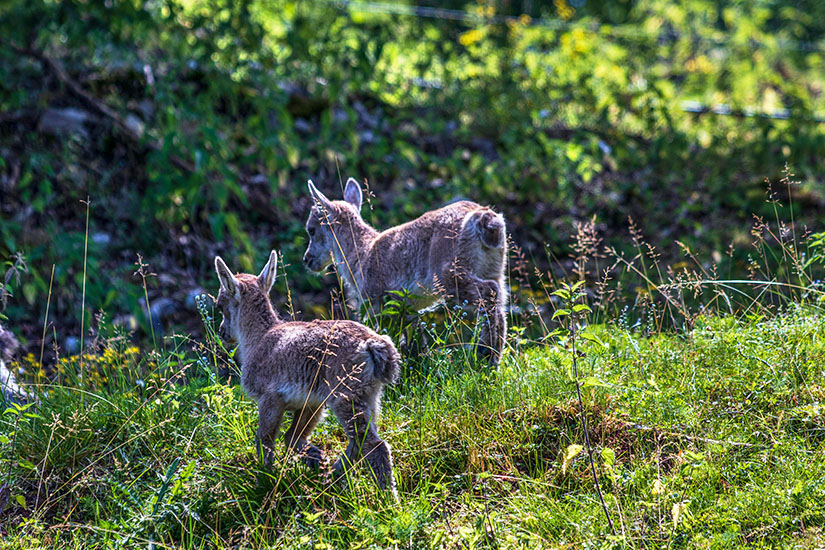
[(471, 37), (699, 64), (563, 9), (576, 40)]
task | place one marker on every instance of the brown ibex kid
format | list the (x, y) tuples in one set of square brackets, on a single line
[(457, 253), (306, 367)]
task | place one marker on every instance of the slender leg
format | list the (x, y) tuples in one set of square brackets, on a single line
[(297, 436), (270, 413), (486, 298), (494, 324), (379, 458), (360, 422)]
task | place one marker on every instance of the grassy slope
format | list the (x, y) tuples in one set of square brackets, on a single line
[(478, 455)]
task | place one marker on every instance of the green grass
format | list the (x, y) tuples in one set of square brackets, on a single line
[(717, 434)]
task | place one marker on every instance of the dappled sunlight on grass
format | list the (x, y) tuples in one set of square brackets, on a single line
[(722, 426)]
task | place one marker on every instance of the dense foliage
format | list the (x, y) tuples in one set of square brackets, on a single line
[(200, 121)]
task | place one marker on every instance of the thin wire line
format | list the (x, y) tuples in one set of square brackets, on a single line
[(624, 31)]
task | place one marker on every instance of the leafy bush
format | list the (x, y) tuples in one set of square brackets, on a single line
[(223, 109)]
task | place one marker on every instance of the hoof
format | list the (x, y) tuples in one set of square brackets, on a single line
[(312, 457)]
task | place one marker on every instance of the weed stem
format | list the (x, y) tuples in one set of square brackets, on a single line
[(584, 425)]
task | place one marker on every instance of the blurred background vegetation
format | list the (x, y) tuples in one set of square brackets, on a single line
[(192, 126)]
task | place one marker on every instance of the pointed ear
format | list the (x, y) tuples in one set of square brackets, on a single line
[(227, 279), (319, 197), (267, 277), (352, 193)]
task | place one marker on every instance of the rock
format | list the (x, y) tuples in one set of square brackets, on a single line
[(302, 126), (258, 179), (146, 107), (72, 345), (103, 239), (143, 108), (134, 125), (11, 389), (364, 116), (126, 321), (64, 121), (367, 136), (340, 116), (161, 309)]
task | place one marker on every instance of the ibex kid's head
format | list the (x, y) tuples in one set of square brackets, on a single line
[(326, 221), (243, 294)]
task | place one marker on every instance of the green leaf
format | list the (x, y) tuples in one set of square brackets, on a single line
[(562, 293), (657, 488), (313, 518), (4, 440), (561, 313), (578, 308), (609, 457), (593, 382), (26, 464), (556, 332), (30, 293), (164, 487), (570, 453), (593, 338), (21, 500)]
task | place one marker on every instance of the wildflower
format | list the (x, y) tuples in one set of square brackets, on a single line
[(471, 37)]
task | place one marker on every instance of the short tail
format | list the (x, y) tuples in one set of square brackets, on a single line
[(488, 226), (385, 359)]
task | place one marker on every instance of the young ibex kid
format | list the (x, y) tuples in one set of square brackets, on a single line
[(305, 367), (457, 253)]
